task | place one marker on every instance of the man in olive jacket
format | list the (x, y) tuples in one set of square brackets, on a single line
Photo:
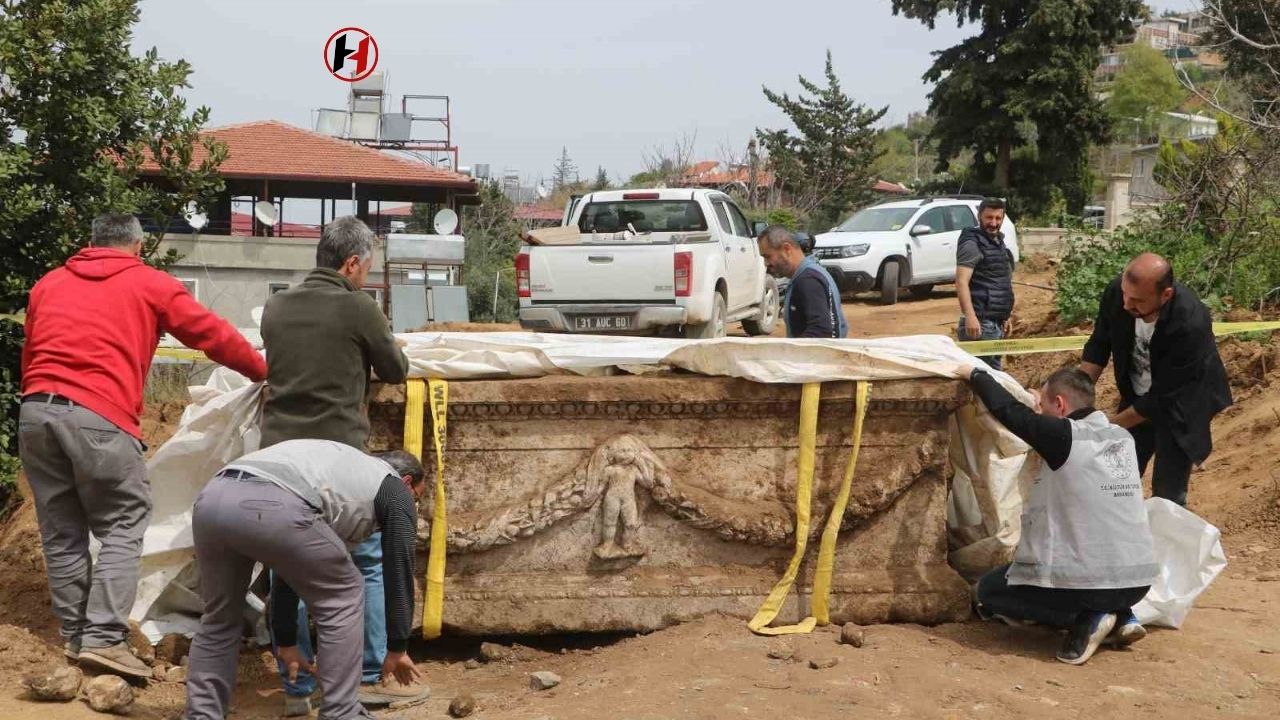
[(322, 338), (1170, 376)]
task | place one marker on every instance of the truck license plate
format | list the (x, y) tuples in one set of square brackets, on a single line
[(590, 323)]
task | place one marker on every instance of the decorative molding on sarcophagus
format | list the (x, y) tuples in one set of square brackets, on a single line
[(631, 503)]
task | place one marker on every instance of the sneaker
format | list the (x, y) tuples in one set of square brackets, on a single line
[(117, 659), (71, 649), (392, 694), (1127, 631), (297, 705), (1088, 632)]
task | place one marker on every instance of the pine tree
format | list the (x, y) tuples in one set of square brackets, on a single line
[(565, 171)]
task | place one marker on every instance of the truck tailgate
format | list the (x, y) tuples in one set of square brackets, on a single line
[(633, 273)]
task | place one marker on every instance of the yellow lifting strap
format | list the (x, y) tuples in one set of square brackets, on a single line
[(809, 400), (415, 401)]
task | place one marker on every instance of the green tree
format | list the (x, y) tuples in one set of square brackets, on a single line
[(1024, 81), (1145, 87), (492, 240), (79, 113), (602, 180), (826, 163)]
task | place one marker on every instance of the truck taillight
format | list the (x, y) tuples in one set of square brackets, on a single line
[(522, 275), (683, 274)]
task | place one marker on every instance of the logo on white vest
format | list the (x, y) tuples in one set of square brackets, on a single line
[(1117, 461)]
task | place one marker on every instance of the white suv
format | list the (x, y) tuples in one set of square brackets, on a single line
[(908, 243)]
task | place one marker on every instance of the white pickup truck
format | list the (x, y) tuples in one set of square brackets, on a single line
[(645, 261)]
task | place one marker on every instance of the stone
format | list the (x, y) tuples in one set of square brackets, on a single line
[(61, 685), (545, 475), (471, 664), (140, 644), (781, 650), (493, 652), (172, 648), (852, 634), (158, 671), (176, 674), (543, 680), (109, 694), (824, 663), (462, 706)]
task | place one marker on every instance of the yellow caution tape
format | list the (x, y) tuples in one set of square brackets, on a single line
[(809, 400), (180, 354), (19, 318), (1029, 346), (433, 601)]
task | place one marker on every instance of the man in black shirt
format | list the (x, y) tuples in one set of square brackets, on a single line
[(1170, 376), (812, 303), (984, 279)]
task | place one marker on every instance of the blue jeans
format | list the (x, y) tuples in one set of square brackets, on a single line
[(367, 557), (1054, 607), (990, 331)]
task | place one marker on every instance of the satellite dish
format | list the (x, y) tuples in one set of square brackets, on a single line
[(194, 217), (542, 192), (445, 222), (266, 213)]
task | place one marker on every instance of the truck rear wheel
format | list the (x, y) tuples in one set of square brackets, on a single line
[(763, 322), (711, 329), (889, 283)]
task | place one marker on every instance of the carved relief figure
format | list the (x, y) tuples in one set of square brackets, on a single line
[(624, 470)]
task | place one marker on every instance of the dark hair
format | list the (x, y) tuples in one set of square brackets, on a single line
[(776, 236), (115, 230), (1165, 281), (991, 203), (403, 463), (343, 238), (1074, 384)]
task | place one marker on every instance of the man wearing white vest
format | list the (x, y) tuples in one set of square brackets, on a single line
[(1085, 555), (297, 507)]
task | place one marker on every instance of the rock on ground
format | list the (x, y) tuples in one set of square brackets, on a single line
[(462, 706), (172, 648), (852, 634), (471, 664), (781, 651), (109, 694), (61, 685), (176, 675), (823, 663), (543, 680), (141, 645), (493, 652)]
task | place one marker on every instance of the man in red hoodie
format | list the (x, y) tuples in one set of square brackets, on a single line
[(91, 330)]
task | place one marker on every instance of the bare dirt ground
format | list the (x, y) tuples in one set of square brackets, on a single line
[(1225, 662)]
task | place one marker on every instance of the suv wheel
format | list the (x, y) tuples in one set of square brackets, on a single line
[(889, 283)]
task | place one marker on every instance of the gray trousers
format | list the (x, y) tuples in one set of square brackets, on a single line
[(238, 522), (87, 475)]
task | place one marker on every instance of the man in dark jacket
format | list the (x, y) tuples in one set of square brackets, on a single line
[(984, 279), (812, 304), (1170, 376), (322, 338), (92, 328)]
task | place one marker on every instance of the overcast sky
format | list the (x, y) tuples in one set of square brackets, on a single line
[(607, 79)]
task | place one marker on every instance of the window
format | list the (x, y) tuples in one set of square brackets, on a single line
[(960, 217), (935, 218), (273, 288), (741, 227), (878, 219), (723, 216), (192, 286), (374, 293), (644, 215)]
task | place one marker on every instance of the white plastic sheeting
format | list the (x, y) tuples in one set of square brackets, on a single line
[(221, 424), (1189, 551)]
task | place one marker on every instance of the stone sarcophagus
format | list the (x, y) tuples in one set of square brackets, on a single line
[(636, 502)]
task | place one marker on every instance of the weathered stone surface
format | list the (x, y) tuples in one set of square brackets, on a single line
[(543, 680), (824, 663), (634, 503), (176, 675), (172, 648), (159, 670), (462, 706), (781, 650), (61, 685), (852, 634), (109, 694), (493, 652)]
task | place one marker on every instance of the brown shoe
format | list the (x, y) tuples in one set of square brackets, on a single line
[(392, 694), (117, 659)]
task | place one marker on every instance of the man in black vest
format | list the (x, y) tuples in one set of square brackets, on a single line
[(984, 279), (1170, 376)]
